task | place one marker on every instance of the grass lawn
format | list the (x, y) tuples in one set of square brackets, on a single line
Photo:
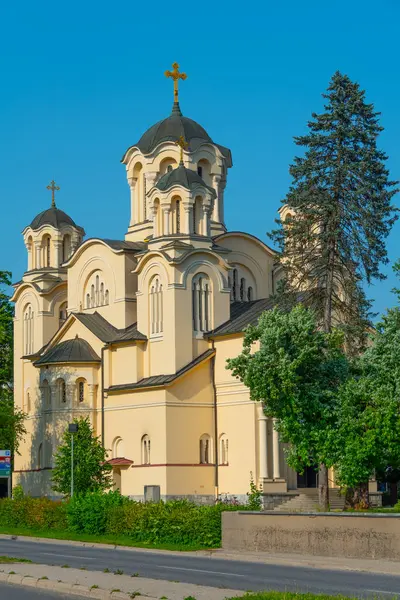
[(117, 540), (289, 596), (10, 559)]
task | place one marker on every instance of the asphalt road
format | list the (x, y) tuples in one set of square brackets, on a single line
[(206, 571), (18, 592)]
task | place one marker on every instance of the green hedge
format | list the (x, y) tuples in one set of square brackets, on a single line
[(175, 522)]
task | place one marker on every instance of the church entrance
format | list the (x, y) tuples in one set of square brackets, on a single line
[(307, 479)]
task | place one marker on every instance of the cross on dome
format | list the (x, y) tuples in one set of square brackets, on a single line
[(182, 143), (53, 188), (176, 76)]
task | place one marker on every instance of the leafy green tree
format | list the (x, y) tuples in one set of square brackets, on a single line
[(11, 419), (91, 471), (367, 436), (340, 215), (295, 369)]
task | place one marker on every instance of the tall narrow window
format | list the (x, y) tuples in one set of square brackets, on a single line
[(200, 171), (102, 294), (97, 292), (87, 300), (201, 303), (66, 247), (62, 314), (178, 216), (146, 458), (106, 298), (223, 450), (46, 393), (63, 391), (40, 456), (194, 215), (28, 402), (81, 391), (92, 296), (28, 330), (205, 449), (242, 288), (249, 293), (47, 251), (235, 283), (156, 307)]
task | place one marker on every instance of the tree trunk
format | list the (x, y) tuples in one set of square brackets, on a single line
[(358, 497), (323, 488)]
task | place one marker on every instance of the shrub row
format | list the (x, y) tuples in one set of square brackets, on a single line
[(175, 522)]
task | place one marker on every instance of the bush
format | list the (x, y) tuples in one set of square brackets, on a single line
[(176, 522), (33, 513), (88, 513)]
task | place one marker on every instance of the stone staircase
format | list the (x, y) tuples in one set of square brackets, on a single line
[(307, 501)]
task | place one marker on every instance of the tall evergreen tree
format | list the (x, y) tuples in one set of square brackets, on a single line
[(340, 215)]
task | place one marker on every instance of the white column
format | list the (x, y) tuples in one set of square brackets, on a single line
[(275, 451), (38, 254), (167, 212), (262, 444), (187, 221), (132, 184)]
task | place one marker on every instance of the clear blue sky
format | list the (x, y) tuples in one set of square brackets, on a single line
[(81, 81)]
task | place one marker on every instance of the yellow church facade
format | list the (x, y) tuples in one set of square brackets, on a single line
[(135, 333)]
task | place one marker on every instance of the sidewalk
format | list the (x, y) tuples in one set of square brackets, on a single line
[(108, 585), (296, 560)]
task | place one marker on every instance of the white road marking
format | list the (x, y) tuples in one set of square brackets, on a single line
[(382, 592), (200, 571), (66, 555)]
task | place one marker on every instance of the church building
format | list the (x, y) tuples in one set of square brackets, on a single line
[(135, 333)]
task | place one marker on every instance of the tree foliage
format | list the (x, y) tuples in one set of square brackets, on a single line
[(340, 211), (12, 427), (91, 472), (295, 369)]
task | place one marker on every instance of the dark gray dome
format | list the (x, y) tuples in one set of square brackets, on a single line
[(52, 216), (187, 178), (171, 129), (76, 350)]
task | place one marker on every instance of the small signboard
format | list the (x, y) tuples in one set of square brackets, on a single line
[(5, 463)]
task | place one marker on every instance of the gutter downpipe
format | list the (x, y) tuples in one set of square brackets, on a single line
[(102, 393), (216, 474)]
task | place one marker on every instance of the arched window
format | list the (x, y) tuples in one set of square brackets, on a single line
[(31, 254), (46, 250), (146, 458), (235, 284), (205, 450), (201, 300), (28, 406), (97, 293), (102, 294), (200, 170), (87, 300), (62, 392), (81, 390), (242, 288), (46, 393), (223, 450), (106, 298), (178, 216), (40, 456), (92, 296), (118, 448), (249, 294), (28, 330), (62, 314), (156, 306), (197, 213), (66, 247)]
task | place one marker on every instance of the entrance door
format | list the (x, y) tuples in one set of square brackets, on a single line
[(3, 487), (307, 479)]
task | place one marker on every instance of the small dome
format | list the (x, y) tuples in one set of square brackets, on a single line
[(52, 216), (170, 130), (187, 178)]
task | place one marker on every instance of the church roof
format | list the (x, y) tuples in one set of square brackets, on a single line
[(242, 315), (52, 216), (187, 178), (76, 350), (106, 332), (171, 129), (161, 380)]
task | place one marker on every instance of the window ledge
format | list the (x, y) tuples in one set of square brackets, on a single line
[(156, 337)]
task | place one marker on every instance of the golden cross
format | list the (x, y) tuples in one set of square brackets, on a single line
[(175, 75), (182, 143), (53, 187)]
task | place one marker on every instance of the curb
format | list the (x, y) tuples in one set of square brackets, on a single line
[(66, 588)]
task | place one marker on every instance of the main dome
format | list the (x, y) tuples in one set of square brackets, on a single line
[(170, 130), (52, 216)]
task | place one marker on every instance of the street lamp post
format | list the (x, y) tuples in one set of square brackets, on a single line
[(72, 428)]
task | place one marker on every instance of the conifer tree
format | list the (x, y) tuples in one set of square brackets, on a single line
[(340, 213)]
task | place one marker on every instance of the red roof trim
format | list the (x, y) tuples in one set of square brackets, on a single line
[(119, 462)]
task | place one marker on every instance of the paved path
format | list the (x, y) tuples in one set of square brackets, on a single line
[(16, 592), (201, 570)]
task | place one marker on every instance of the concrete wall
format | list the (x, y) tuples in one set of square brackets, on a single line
[(351, 535)]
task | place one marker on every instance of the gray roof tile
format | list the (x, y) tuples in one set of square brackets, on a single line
[(105, 331), (76, 350), (242, 315)]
